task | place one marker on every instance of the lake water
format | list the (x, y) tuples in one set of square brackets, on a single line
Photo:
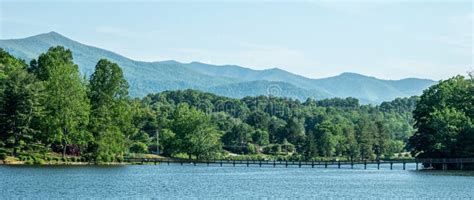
[(215, 182)]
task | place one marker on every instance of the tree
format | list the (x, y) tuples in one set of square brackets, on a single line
[(365, 137), (444, 116), (66, 103), (381, 140), (352, 150), (276, 129), (194, 133), (310, 148), (239, 135), (325, 138), (259, 120), (204, 142), (260, 137), (20, 104), (295, 130), (8, 64), (110, 110)]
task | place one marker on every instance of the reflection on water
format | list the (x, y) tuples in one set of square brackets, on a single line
[(231, 182)]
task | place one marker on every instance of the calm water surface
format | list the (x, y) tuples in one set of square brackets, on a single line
[(214, 182)]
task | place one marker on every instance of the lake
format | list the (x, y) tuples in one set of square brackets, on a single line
[(215, 182)]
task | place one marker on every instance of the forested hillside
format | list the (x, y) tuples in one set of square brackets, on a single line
[(48, 106), (226, 80)]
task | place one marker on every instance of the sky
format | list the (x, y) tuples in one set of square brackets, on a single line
[(389, 39)]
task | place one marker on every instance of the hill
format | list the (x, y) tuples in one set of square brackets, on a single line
[(227, 80)]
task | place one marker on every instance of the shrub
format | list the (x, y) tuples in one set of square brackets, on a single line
[(38, 161), (119, 159), (272, 149), (23, 158), (251, 148), (139, 147)]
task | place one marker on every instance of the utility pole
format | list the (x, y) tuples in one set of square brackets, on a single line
[(157, 142)]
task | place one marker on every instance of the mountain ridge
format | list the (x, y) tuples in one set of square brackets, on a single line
[(227, 80)]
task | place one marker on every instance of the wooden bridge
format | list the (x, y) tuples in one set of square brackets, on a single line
[(458, 162)]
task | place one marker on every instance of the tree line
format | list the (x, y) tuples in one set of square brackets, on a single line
[(47, 105)]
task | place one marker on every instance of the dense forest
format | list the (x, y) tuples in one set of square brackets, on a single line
[(48, 106)]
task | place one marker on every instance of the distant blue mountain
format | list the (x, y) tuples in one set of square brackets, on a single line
[(227, 80)]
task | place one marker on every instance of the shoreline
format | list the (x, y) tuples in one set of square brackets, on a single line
[(23, 163)]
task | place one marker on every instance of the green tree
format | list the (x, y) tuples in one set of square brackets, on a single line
[(204, 142), (20, 104), (239, 135), (111, 119), (194, 133), (259, 120), (365, 138), (444, 116), (326, 141), (310, 148), (352, 150), (381, 140), (66, 103), (260, 137)]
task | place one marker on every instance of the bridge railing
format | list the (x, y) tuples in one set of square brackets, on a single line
[(333, 162)]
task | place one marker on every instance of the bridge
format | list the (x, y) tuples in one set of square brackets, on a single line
[(444, 162)]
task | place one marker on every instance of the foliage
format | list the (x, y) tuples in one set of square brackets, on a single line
[(66, 104), (444, 120), (110, 120), (20, 106), (60, 111), (228, 80)]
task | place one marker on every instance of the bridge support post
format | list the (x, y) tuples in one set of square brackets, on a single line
[(221, 163), (193, 163), (365, 164), (391, 165), (352, 164), (339, 164), (274, 163), (403, 165), (181, 162), (260, 163), (416, 165), (325, 164), (378, 164), (207, 163), (286, 164), (312, 164)]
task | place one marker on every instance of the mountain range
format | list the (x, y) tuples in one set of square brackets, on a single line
[(227, 80)]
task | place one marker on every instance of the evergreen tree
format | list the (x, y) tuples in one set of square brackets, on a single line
[(110, 117), (20, 104)]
